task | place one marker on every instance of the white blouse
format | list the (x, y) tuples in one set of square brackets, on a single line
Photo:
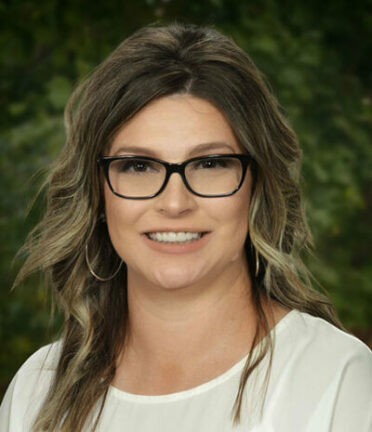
[(321, 381)]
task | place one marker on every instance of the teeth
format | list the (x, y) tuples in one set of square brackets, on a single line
[(172, 237)]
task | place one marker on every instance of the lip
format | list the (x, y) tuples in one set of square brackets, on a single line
[(178, 248), (175, 230)]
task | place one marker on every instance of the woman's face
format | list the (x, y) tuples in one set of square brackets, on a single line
[(171, 128)]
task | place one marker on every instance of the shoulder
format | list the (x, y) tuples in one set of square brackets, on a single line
[(309, 346), (322, 372), (320, 336), (28, 388), (318, 353), (39, 365), (45, 358)]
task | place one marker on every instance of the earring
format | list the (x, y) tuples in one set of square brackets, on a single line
[(257, 264), (95, 274), (257, 260)]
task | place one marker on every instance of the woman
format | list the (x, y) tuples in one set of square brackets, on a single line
[(171, 241)]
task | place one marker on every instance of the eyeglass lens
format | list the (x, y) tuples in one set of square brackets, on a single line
[(140, 178)]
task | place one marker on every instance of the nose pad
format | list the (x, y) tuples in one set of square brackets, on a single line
[(175, 198), (175, 184)]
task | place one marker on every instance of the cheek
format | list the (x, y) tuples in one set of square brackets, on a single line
[(239, 226), (236, 209), (231, 215), (112, 207), (121, 214)]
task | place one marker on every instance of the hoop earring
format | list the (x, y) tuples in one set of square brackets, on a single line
[(95, 274), (257, 264), (101, 218), (257, 261)]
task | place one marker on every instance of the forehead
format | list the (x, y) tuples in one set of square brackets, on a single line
[(173, 127)]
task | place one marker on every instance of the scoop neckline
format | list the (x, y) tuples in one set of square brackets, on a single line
[(201, 388)]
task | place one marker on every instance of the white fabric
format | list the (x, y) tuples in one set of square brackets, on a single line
[(321, 381)]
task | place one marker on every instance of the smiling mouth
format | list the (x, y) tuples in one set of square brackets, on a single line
[(173, 237)]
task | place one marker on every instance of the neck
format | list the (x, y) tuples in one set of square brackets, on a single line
[(196, 322)]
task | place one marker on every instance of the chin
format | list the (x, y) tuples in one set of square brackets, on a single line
[(172, 278)]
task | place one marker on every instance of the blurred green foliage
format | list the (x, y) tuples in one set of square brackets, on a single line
[(316, 56)]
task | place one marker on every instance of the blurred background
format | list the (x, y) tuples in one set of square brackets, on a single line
[(316, 56)]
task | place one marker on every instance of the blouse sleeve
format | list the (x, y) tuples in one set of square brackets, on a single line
[(27, 391), (6, 409), (353, 404)]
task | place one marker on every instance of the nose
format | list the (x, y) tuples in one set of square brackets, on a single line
[(175, 199)]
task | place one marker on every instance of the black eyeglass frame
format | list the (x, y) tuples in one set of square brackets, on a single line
[(104, 162)]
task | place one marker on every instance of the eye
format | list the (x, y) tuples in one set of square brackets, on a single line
[(212, 163), (134, 166), (137, 166)]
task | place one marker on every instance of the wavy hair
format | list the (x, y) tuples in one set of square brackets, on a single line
[(154, 62)]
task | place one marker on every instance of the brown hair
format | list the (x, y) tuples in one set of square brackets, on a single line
[(155, 62)]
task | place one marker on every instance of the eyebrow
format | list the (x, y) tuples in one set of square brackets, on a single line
[(195, 150)]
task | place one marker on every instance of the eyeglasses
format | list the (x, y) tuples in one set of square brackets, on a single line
[(142, 177)]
